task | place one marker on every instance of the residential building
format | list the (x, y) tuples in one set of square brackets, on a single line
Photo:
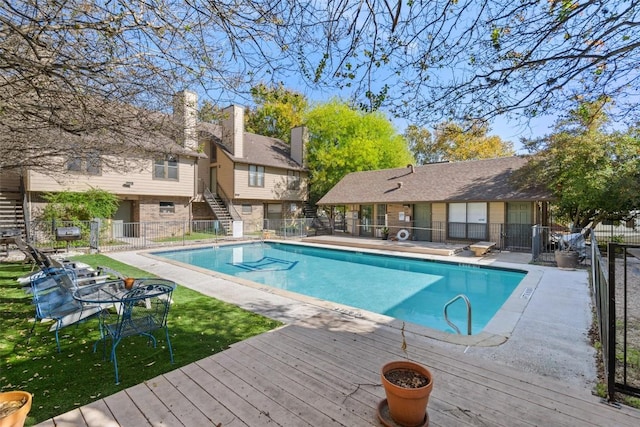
[(259, 178), (458, 201), (250, 177)]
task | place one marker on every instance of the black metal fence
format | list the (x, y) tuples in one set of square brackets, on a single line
[(616, 290), (511, 237), (545, 242)]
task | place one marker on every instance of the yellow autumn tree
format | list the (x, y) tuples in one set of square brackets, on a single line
[(469, 142)]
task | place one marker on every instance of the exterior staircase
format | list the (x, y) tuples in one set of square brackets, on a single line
[(11, 212), (11, 209), (321, 226), (220, 211), (309, 211)]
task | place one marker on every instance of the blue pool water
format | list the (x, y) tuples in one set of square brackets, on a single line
[(408, 289)]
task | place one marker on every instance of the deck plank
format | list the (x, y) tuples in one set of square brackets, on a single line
[(211, 378), (213, 410), (150, 405), (72, 418), (323, 396), (267, 404), (124, 410), (508, 384), (97, 414), (183, 409), (282, 391), (325, 371)]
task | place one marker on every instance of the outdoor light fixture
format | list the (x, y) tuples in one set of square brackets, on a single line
[(127, 184)]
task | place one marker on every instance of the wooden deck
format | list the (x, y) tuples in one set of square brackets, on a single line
[(324, 371)]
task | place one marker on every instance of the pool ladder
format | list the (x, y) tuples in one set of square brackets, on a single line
[(446, 316)]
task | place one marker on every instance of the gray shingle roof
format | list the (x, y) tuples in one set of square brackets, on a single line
[(258, 149), (468, 181)]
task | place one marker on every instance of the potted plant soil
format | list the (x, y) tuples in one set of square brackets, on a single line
[(14, 407), (408, 386)]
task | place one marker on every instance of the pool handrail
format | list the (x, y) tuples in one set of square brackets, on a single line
[(446, 316)]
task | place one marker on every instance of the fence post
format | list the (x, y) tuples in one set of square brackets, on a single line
[(94, 235), (611, 320), (535, 234)]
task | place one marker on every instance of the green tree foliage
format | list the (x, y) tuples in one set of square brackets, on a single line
[(421, 145), (71, 69), (344, 140), (83, 206), (277, 111), (210, 113), (594, 174), (454, 142), (438, 60)]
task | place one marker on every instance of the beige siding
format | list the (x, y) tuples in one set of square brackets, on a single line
[(10, 181), (225, 175), (439, 216), (204, 166), (497, 216), (497, 213), (439, 212), (141, 177), (275, 185)]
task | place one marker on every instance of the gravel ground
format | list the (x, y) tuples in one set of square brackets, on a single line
[(633, 317)]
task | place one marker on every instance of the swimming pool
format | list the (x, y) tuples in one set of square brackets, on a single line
[(413, 290)]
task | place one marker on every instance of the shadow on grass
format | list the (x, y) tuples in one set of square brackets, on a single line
[(199, 326)]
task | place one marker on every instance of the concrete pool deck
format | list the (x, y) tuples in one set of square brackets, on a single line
[(543, 329)]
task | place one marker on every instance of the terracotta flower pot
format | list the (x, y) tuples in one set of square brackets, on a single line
[(407, 406), (17, 417), (128, 282)]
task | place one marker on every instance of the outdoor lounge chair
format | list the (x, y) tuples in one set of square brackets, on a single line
[(53, 299), (84, 274)]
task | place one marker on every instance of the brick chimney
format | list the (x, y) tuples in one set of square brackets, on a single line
[(299, 139), (233, 130), (185, 113)]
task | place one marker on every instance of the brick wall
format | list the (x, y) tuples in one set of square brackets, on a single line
[(149, 209), (201, 211)]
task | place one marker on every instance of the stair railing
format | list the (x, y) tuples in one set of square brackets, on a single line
[(228, 203)]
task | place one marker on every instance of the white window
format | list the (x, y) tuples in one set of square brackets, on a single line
[(256, 176), (457, 212), (166, 168), (246, 209), (468, 220), (90, 163), (167, 207), (293, 180), (477, 213)]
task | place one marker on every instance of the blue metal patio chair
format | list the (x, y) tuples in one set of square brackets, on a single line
[(143, 310), (53, 299)]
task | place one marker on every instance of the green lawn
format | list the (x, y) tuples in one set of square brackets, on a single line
[(199, 326)]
